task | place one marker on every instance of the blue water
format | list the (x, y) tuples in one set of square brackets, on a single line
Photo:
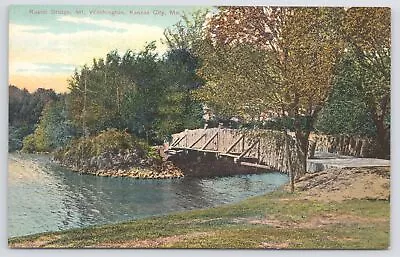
[(46, 197)]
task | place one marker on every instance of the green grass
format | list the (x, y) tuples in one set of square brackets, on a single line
[(363, 224)]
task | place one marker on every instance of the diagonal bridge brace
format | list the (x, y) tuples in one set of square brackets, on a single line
[(238, 159)]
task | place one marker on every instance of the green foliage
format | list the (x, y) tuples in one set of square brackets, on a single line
[(57, 124), (278, 59), (228, 71), (184, 34), (283, 60), (16, 135), (54, 129), (147, 94), (241, 62), (110, 141), (287, 70), (181, 109), (141, 102), (346, 111), (178, 110), (29, 144), (96, 93), (24, 112), (25, 108), (36, 142), (367, 35), (281, 123)]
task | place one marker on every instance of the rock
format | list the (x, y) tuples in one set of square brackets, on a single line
[(122, 163), (93, 161)]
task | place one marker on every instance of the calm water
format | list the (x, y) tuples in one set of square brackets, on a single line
[(45, 197)]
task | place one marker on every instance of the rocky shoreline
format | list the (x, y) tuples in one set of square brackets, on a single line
[(135, 172), (126, 163)]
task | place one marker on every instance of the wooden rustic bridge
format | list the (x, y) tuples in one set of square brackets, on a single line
[(272, 150), (262, 149)]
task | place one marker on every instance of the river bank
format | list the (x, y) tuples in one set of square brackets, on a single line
[(114, 153), (132, 163), (44, 197), (278, 220), (164, 170)]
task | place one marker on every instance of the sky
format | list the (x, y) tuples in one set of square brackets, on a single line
[(47, 43)]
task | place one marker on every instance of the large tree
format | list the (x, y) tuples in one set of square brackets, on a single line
[(96, 94), (258, 59), (367, 34), (144, 92), (179, 111), (142, 99)]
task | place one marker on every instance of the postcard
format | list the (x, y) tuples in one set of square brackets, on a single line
[(224, 127)]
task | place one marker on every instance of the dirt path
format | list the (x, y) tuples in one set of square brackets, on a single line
[(346, 183), (152, 243)]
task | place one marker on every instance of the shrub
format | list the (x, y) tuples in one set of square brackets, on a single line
[(110, 141), (28, 143)]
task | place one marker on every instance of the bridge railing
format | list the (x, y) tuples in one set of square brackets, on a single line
[(259, 148)]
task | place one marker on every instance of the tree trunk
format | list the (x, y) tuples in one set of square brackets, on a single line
[(289, 161), (382, 139), (382, 131), (302, 144), (378, 117)]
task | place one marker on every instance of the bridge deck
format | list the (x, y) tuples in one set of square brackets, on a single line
[(325, 161), (270, 150)]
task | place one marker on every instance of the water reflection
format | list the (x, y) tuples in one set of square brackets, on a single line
[(45, 197)]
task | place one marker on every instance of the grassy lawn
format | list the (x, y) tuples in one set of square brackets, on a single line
[(275, 220)]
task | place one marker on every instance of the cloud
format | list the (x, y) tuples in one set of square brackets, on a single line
[(30, 47), (18, 28), (40, 68), (81, 46), (108, 23)]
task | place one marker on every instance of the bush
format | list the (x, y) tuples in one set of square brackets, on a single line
[(16, 136), (110, 141), (29, 145)]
